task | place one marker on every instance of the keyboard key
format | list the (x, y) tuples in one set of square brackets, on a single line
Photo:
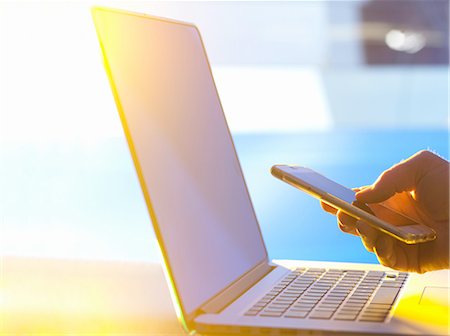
[(284, 299), (391, 275), (343, 287), (290, 294), (270, 295), (291, 291), (304, 303), (348, 281), (297, 287), (372, 319), (360, 296), (314, 289), (345, 317), (302, 306), (251, 313), (301, 309), (309, 300), (279, 305), (326, 308), (296, 284), (272, 307), (357, 300), (296, 314), (375, 312), (328, 276), (330, 303), (392, 284), (363, 290), (385, 295), (353, 305), (370, 281), (312, 295), (372, 315), (334, 296), (334, 299), (379, 306), (349, 310), (321, 314), (322, 285), (271, 314)]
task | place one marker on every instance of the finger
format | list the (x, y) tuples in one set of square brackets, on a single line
[(328, 208), (401, 260), (403, 176), (346, 223), (368, 235), (433, 193), (408, 258), (358, 189), (397, 255), (384, 249)]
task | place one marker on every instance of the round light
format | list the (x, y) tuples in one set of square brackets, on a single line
[(406, 41)]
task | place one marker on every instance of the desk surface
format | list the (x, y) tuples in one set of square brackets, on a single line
[(76, 297), (48, 296)]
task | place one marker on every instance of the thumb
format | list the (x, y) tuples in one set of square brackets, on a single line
[(403, 176)]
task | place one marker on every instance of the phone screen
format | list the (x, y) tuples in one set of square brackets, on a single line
[(325, 184)]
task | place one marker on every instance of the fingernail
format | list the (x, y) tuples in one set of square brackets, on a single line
[(362, 192)]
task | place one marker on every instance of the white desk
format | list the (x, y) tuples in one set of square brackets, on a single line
[(45, 296), (73, 297)]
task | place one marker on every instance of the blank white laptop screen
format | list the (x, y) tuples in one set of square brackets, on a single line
[(188, 166)]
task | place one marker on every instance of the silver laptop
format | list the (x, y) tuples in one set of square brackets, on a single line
[(217, 264)]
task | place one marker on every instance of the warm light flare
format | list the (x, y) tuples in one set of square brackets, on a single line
[(435, 312), (60, 297)]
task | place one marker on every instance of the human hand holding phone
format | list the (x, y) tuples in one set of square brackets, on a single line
[(419, 188), (395, 224)]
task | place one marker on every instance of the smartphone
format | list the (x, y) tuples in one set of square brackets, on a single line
[(402, 228)]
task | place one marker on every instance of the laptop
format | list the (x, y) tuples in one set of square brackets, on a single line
[(216, 262)]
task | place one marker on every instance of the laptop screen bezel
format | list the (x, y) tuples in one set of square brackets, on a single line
[(185, 318)]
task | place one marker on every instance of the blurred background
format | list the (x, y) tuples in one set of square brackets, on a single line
[(347, 88)]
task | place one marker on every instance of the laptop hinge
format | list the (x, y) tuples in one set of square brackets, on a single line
[(236, 289)]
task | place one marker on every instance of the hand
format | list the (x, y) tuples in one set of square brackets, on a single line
[(419, 188)]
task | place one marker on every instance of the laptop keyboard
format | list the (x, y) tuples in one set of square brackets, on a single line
[(345, 295)]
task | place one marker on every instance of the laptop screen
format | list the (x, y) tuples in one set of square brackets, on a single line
[(183, 152)]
